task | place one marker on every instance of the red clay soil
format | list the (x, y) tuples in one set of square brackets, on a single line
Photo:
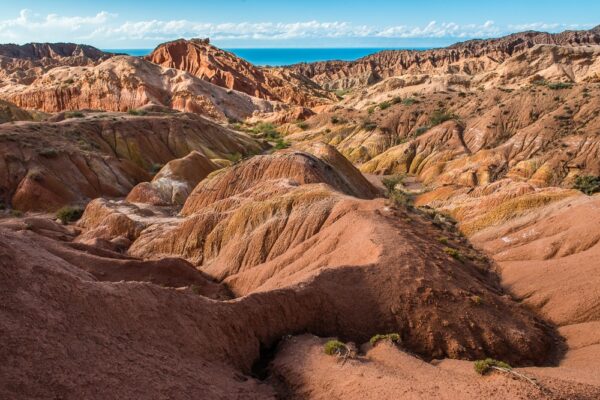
[(302, 370)]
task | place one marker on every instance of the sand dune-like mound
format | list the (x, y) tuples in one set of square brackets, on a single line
[(387, 372), (550, 258), (225, 69), (51, 164), (174, 182)]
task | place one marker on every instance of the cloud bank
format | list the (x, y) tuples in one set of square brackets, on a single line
[(106, 27)]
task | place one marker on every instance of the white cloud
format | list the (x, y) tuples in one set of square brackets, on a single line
[(105, 27), (52, 27), (543, 26)]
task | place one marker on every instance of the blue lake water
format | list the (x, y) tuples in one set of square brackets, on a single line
[(282, 56)]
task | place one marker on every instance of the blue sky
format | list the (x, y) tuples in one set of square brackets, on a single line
[(306, 23)]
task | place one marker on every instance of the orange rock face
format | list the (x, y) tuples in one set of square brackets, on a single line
[(124, 83), (224, 69)]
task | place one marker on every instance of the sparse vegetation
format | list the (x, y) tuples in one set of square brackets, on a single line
[(482, 367), (195, 289), (16, 213), (74, 114), (155, 167), (302, 125), (48, 152), (477, 300), (138, 113), (280, 143), (560, 85), (340, 93), (440, 116), (335, 120), (452, 252), (391, 181), (400, 198), (409, 101), (369, 126), (384, 105), (335, 347), (553, 85), (392, 337), (268, 131), (69, 214), (421, 130), (443, 240), (588, 184)]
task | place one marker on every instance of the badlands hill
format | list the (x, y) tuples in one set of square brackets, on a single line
[(222, 68), (24, 63), (46, 165), (468, 58), (217, 254), (124, 83)]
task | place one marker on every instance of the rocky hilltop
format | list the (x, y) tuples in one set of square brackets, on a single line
[(189, 225), (222, 68), (471, 57), (23, 63)]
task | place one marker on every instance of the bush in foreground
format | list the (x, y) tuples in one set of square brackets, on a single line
[(588, 184), (392, 337), (335, 347), (482, 367)]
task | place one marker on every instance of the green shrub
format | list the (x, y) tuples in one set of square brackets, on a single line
[(335, 120), (74, 114), (440, 116), (483, 366), (369, 126), (457, 255), (409, 101), (400, 198), (443, 240), (195, 289), (393, 337), (155, 168), (371, 109), (342, 92), (560, 85), (302, 125), (16, 213), (391, 181), (281, 144), (69, 214), (265, 129), (588, 184), (335, 347), (384, 104), (421, 130), (48, 153), (136, 112)]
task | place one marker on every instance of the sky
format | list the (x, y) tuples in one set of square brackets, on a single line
[(129, 24)]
